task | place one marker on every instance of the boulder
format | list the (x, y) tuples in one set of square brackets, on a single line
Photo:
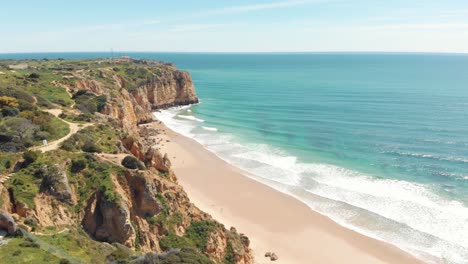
[(7, 222)]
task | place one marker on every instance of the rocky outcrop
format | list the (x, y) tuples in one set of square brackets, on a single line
[(7, 222), (50, 212), (108, 221), (55, 182), (136, 98), (168, 88)]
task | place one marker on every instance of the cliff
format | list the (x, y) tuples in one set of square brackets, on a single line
[(83, 186)]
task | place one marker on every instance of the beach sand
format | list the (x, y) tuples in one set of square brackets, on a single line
[(274, 222)]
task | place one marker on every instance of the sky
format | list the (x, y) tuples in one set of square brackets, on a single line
[(234, 26)]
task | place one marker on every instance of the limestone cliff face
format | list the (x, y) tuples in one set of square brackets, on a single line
[(168, 88), (130, 100), (151, 204)]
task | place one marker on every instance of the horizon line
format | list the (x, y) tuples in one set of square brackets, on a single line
[(241, 52)]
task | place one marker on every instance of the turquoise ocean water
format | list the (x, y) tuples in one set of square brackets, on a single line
[(377, 142)]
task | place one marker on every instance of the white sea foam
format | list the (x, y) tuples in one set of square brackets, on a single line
[(430, 156), (214, 129), (189, 117), (408, 215)]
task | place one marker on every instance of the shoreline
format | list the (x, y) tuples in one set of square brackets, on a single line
[(274, 221)]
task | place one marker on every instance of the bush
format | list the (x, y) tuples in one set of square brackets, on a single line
[(34, 76), (91, 147), (41, 135), (10, 111), (78, 165), (8, 101), (198, 233), (173, 241), (30, 156), (133, 163)]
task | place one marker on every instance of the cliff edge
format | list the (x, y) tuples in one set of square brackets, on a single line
[(105, 194)]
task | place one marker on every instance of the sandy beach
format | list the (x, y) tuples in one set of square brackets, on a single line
[(274, 222)]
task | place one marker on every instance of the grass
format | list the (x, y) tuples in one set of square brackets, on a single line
[(41, 86), (60, 130), (7, 161), (79, 245), (97, 176), (15, 252), (102, 136), (196, 236)]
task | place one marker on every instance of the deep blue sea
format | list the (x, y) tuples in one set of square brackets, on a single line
[(377, 142)]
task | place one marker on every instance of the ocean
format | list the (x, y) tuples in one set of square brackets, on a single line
[(376, 141)]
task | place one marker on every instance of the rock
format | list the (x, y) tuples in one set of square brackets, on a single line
[(55, 182), (7, 222), (268, 254), (273, 257), (154, 159), (108, 221)]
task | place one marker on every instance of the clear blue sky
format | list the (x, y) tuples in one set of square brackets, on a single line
[(234, 26)]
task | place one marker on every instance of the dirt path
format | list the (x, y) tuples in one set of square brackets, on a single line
[(5, 178), (51, 234), (114, 158), (56, 144)]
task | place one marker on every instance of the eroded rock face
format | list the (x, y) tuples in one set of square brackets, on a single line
[(154, 159), (7, 222), (55, 182), (169, 88), (50, 212), (108, 221)]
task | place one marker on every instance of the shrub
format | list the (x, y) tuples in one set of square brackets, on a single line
[(34, 76), (51, 178), (41, 135), (78, 165), (30, 156), (8, 101), (173, 241), (10, 111), (91, 147), (133, 163), (198, 233)]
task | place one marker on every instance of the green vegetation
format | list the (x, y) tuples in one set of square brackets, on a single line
[(85, 172), (23, 123), (19, 250), (8, 161), (94, 176), (81, 118), (30, 156), (98, 138), (37, 84), (80, 246), (196, 236), (174, 241), (130, 162), (186, 255), (88, 102), (198, 232)]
